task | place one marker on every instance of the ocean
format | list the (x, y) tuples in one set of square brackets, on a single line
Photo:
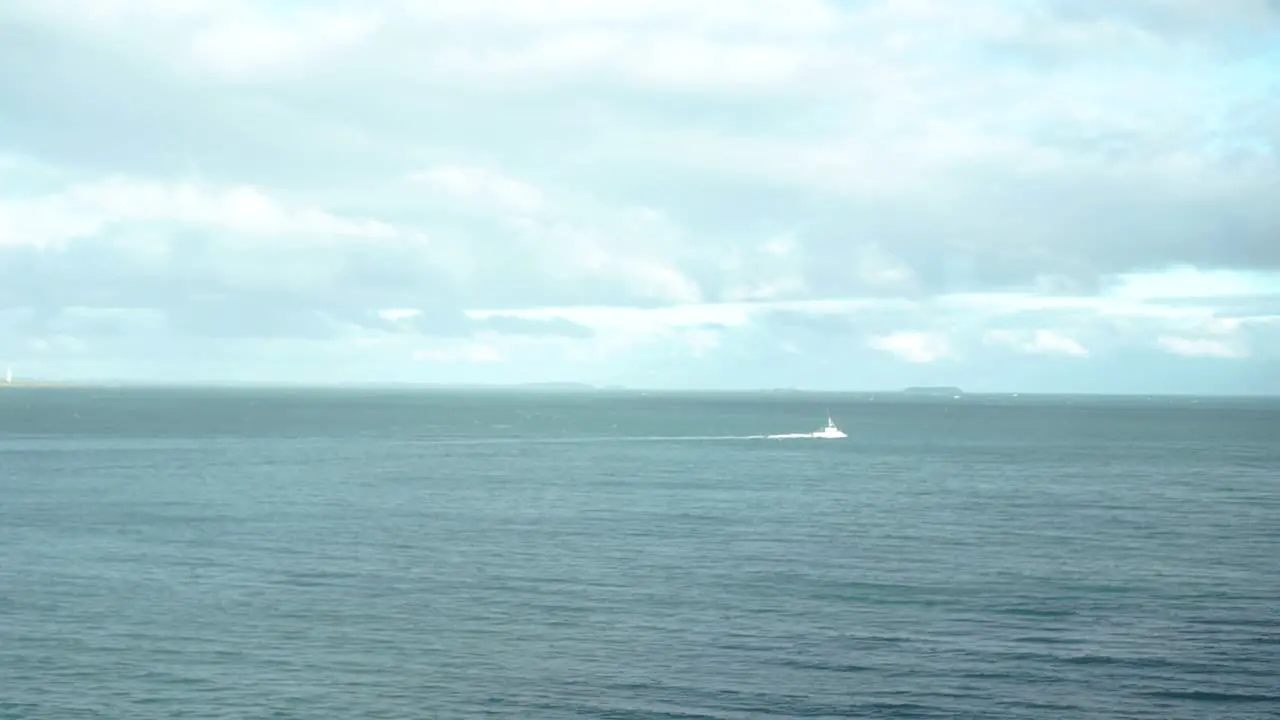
[(251, 553)]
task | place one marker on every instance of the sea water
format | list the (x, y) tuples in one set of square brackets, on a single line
[(242, 553)]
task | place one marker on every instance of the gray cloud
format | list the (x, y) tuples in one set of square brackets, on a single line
[(244, 318), (1092, 212), (556, 327), (453, 323)]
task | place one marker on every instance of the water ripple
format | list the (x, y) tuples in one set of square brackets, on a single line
[(372, 556)]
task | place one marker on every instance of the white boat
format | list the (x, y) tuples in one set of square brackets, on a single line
[(830, 431)]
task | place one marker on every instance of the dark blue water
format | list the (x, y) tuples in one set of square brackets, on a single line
[(252, 554)]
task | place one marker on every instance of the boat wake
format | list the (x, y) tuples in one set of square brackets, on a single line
[(585, 439), (828, 432), (792, 436)]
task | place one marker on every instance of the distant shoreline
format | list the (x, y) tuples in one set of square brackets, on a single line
[(934, 390), (916, 393)]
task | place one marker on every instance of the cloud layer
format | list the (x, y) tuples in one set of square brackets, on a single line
[(1048, 195)]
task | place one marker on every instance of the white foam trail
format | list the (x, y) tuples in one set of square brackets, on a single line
[(587, 439), (674, 438), (591, 439)]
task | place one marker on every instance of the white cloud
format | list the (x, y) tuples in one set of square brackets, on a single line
[(880, 271), (890, 182), (912, 346), (251, 42), (569, 239), (230, 39), (977, 309), (768, 271), (56, 344), (674, 62), (1201, 347), (802, 17), (627, 249), (1113, 328), (1040, 341), (639, 320), (467, 353), (128, 11), (701, 342), (482, 186), (85, 210), (247, 237), (1190, 282)]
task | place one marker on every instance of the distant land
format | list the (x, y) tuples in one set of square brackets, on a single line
[(29, 384), (548, 386), (947, 390), (869, 394), (251, 384), (551, 387)]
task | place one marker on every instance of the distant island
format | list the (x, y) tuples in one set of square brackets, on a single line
[(947, 390)]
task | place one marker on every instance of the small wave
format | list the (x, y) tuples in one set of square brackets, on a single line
[(1208, 696), (790, 436)]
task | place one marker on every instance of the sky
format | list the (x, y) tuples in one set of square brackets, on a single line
[(1021, 196)]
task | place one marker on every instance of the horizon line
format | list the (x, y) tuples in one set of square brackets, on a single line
[(924, 391)]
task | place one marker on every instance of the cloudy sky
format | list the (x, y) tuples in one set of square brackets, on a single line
[(1063, 195)]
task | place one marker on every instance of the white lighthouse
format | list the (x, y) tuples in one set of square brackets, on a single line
[(8, 375)]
